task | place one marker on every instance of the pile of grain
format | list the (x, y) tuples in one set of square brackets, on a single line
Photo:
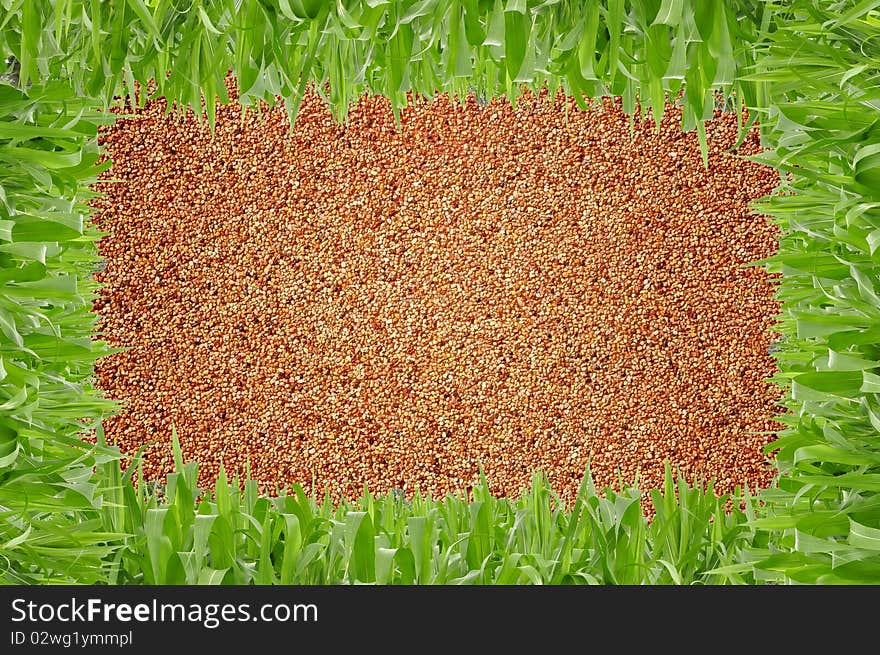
[(358, 304)]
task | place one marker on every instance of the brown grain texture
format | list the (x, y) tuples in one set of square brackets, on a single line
[(366, 305)]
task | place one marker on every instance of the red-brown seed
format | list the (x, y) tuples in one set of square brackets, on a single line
[(358, 304)]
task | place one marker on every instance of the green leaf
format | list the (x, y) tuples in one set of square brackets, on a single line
[(704, 18), (870, 382), (51, 159), (863, 536), (517, 28), (140, 9), (838, 361), (615, 25), (206, 21), (495, 33), (360, 541), (473, 28), (385, 565), (669, 13), (463, 64), (419, 9), (10, 130), (292, 548), (826, 453), (843, 384), (866, 165), (209, 576)]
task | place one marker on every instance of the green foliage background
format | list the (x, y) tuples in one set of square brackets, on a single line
[(808, 69)]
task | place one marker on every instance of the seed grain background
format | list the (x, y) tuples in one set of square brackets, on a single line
[(366, 305)]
